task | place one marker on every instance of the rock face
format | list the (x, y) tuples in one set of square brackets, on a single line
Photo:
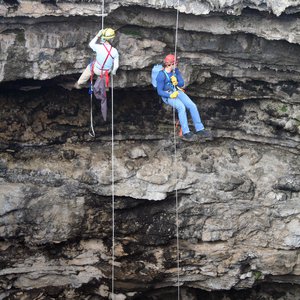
[(238, 203)]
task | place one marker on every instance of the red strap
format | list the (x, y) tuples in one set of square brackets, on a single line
[(106, 78), (106, 74), (180, 128), (92, 71), (108, 54), (106, 71)]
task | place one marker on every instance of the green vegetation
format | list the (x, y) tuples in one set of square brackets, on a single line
[(284, 108), (132, 31), (257, 275)]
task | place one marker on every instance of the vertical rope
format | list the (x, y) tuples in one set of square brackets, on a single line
[(112, 189), (112, 176), (176, 31), (176, 204), (112, 179), (175, 162), (91, 131), (102, 10)]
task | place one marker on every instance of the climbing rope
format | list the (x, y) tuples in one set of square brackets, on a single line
[(91, 90), (176, 31), (112, 177), (92, 131), (112, 189), (102, 11), (175, 162)]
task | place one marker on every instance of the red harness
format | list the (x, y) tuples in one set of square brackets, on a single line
[(103, 71)]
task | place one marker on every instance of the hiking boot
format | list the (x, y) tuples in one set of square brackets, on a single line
[(189, 137), (204, 134)]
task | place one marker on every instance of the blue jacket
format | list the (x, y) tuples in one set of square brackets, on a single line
[(164, 85)]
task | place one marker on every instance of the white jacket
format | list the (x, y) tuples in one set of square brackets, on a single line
[(112, 62)]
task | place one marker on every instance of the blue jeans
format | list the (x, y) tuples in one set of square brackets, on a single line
[(181, 103)]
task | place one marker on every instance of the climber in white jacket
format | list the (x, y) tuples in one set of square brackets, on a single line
[(107, 57)]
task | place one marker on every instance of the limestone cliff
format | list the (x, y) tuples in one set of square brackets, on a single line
[(238, 195)]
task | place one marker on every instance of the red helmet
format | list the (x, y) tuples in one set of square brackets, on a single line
[(170, 59)]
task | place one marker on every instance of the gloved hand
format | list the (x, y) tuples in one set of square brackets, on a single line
[(174, 95), (174, 80), (99, 33), (113, 72)]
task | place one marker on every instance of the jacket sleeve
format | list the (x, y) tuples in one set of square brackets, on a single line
[(179, 78), (93, 44), (160, 80)]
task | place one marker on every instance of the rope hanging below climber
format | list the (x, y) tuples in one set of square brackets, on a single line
[(106, 63)]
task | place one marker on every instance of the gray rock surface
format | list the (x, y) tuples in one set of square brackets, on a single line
[(238, 198), (266, 47)]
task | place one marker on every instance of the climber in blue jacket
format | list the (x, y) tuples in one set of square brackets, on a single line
[(169, 87)]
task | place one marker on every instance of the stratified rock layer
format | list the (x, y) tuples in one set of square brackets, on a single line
[(238, 196)]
